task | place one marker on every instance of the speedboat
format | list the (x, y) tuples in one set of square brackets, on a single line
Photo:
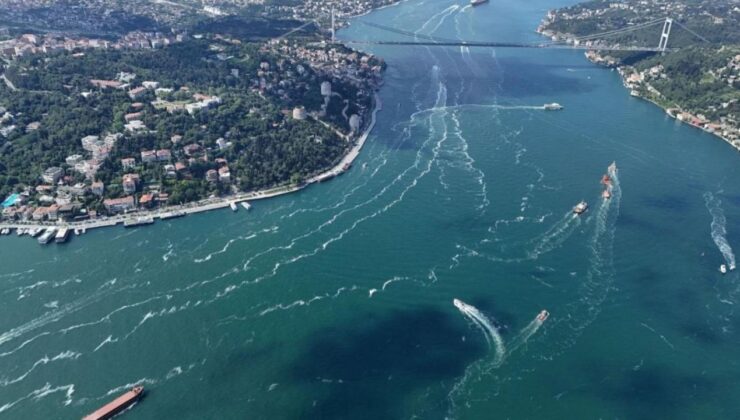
[(606, 194), (580, 208), (723, 269), (542, 316)]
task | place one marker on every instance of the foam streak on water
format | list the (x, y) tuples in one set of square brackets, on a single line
[(718, 228)]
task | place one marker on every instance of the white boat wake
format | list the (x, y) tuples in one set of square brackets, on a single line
[(718, 227), (490, 332)]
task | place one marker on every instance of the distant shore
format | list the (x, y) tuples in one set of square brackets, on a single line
[(213, 203), (598, 60)]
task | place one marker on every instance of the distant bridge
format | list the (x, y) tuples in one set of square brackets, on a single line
[(589, 42)]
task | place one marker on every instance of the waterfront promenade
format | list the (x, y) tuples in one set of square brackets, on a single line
[(211, 203)]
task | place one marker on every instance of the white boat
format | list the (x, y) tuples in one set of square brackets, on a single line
[(542, 316), (723, 269), (246, 205), (580, 208), (552, 107), (233, 206), (35, 232), (61, 236), (47, 236)]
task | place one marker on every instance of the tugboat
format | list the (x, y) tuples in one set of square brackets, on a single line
[(580, 208), (542, 316)]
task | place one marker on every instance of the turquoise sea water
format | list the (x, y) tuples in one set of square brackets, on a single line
[(336, 302)]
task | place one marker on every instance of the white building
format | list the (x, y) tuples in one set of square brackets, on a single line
[(299, 113), (326, 89)]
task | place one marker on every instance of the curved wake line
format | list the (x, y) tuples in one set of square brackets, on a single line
[(489, 330), (718, 228)]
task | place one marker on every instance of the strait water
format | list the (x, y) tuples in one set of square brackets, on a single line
[(336, 302)]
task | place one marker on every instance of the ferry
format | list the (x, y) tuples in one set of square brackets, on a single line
[(580, 208), (477, 2), (62, 236), (552, 107), (542, 316), (118, 405), (46, 237), (246, 205), (139, 221), (233, 206)]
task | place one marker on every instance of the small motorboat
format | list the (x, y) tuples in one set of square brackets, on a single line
[(606, 194), (233, 206), (606, 180), (542, 316), (580, 208), (723, 269)]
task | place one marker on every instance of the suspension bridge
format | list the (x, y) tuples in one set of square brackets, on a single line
[(594, 42)]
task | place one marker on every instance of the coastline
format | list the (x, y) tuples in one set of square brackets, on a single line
[(596, 58), (214, 203)]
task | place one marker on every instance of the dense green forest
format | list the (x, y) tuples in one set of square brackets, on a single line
[(267, 148)]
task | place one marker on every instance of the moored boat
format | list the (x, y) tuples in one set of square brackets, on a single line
[(580, 208), (47, 236), (116, 406), (61, 236), (246, 205), (233, 206)]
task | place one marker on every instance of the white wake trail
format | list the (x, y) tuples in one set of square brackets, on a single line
[(489, 330), (718, 228)]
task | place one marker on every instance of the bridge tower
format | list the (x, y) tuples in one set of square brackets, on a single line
[(663, 44), (333, 39)]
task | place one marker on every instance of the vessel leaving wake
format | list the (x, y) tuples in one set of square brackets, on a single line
[(527, 333), (489, 331), (718, 226)]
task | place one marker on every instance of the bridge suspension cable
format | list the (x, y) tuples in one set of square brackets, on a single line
[(622, 30)]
